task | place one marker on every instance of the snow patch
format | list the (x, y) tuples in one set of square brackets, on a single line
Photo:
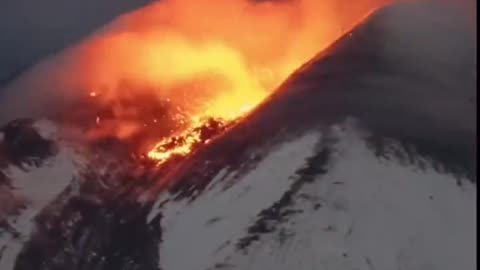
[(365, 213), (46, 129), (217, 218), (39, 186), (372, 214)]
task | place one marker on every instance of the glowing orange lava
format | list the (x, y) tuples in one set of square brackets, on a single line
[(200, 132), (209, 58)]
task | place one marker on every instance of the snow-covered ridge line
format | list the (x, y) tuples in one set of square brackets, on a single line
[(33, 186), (357, 211)]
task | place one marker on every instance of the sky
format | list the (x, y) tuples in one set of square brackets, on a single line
[(33, 29)]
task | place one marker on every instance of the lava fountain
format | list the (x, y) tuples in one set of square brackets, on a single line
[(212, 61)]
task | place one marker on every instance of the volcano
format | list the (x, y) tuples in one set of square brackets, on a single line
[(362, 159)]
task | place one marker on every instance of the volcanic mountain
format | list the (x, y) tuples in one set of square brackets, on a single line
[(362, 159)]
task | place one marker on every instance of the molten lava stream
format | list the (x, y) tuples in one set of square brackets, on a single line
[(213, 59), (201, 132)]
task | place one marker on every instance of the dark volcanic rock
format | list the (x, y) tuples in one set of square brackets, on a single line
[(23, 144), (113, 236)]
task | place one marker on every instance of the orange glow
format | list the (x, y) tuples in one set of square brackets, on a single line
[(200, 132), (209, 58)]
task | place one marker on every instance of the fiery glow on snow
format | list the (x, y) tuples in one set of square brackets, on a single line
[(209, 59)]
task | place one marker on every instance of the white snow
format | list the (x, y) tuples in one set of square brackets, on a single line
[(39, 186), (375, 215), (46, 129), (190, 242)]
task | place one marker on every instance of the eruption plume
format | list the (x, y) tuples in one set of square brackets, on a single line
[(197, 60)]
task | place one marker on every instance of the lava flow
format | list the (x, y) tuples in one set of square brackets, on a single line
[(209, 61), (201, 132)]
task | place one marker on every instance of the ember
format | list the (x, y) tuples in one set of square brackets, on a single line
[(198, 59), (200, 133)]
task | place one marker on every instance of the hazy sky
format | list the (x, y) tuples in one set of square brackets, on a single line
[(31, 29)]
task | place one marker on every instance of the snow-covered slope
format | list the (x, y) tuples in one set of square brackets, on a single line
[(363, 159), (326, 199), (31, 183), (314, 203)]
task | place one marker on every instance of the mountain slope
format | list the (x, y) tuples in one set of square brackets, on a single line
[(363, 159), (300, 209)]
